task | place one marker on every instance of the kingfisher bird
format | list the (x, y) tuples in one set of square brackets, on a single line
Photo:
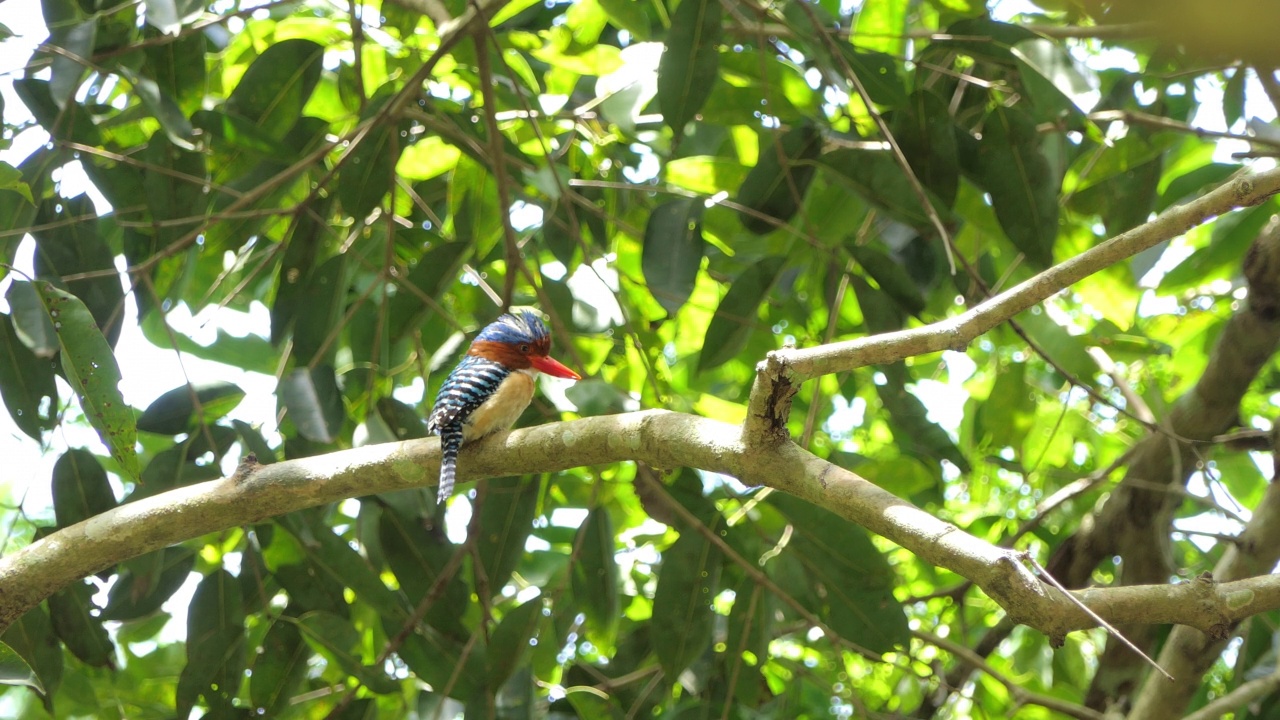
[(491, 386)]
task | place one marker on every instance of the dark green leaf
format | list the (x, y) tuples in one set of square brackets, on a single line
[(927, 136), (253, 442), (506, 517), (338, 640), (595, 576), (735, 317), (302, 249), (673, 248), (69, 243), (16, 671), (852, 580), (1024, 191), (67, 68), (370, 170), (279, 669), (688, 582), (878, 73), (146, 582), (1009, 412), (687, 71), (418, 557), (435, 272), (877, 177), (314, 402), (32, 637), (1193, 182), (1067, 350), (174, 180), (510, 642), (776, 186), (1231, 238), (319, 310), (891, 276), (80, 488), (26, 383), (175, 411), (215, 645), (274, 89), (628, 15), (403, 421), (91, 370), (71, 611), (30, 321), (333, 556)]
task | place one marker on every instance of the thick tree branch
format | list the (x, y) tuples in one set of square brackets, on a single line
[(659, 438), (784, 369)]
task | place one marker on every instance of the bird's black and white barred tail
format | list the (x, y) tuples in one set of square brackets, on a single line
[(450, 444)]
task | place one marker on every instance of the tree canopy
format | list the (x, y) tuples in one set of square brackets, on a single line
[(927, 352)]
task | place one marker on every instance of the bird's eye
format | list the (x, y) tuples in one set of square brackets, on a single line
[(524, 348)]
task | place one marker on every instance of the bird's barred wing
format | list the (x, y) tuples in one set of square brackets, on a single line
[(467, 387)]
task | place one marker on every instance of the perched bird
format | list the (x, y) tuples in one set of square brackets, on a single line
[(491, 386)]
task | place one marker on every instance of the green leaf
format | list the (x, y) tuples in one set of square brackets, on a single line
[(215, 645), (253, 442), (926, 134), (91, 370), (688, 582), (302, 249), (67, 68), (687, 71), (890, 275), (402, 420), (145, 583), (628, 15), (776, 186), (852, 581), (1023, 190), (80, 488), (878, 73), (173, 179), (877, 177), (337, 640), (336, 558), (595, 576), (1009, 412), (320, 309), (434, 273), (506, 518), (70, 610), (510, 642), (69, 243), (15, 671), (417, 557), (280, 668), (32, 637), (1232, 235), (369, 173), (314, 402), (175, 412), (274, 89), (26, 382), (1068, 350), (735, 317), (673, 249), (30, 321), (11, 178)]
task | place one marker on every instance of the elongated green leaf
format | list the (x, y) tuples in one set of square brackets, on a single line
[(776, 186), (435, 272), (890, 275), (32, 637), (1228, 243), (510, 642), (280, 668), (418, 557), (26, 383), (673, 248), (314, 402), (595, 576), (370, 170), (338, 640), (69, 243), (319, 310), (926, 133), (1024, 191), (337, 559), (174, 180), (274, 89), (80, 488), (70, 610), (16, 671), (401, 420), (215, 645), (852, 580), (68, 67), (506, 517), (735, 317), (687, 71), (147, 582), (174, 412), (878, 73), (30, 321), (302, 249), (687, 583), (91, 370)]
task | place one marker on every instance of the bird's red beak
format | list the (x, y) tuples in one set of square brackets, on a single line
[(548, 365)]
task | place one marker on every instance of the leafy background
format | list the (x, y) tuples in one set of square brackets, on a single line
[(325, 189)]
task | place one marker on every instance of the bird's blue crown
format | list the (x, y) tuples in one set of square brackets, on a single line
[(524, 327)]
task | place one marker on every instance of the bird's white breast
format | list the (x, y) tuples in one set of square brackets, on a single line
[(503, 407)]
